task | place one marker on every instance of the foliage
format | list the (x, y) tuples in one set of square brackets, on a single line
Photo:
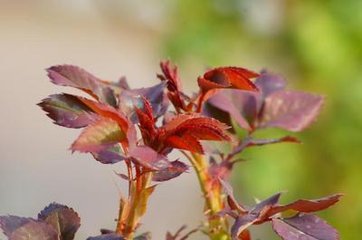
[(136, 127), (316, 45)]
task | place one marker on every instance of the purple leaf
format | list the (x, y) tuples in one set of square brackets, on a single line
[(149, 158), (129, 100), (68, 111), (63, 219), (269, 83), (156, 96), (262, 207), (110, 155), (144, 236), (72, 76), (35, 230), (10, 223), (290, 110), (233, 203), (175, 169), (241, 105), (99, 136), (110, 236), (257, 214), (306, 227), (241, 224)]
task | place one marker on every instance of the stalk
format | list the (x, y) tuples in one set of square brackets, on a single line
[(132, 209), (217, 226)]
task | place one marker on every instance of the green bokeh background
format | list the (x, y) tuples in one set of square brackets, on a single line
[(317, 46)]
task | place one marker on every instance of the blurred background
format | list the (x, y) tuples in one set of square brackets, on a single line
[(316, 45)]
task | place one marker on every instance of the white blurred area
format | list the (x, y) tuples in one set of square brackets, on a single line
[(109, 39)]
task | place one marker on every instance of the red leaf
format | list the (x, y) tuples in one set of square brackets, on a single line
[(73, 76), (185, 131), (107, 111), (228, 77), (186, 142), (244, 235), (202, 128), (307, 206), (224, 77), (170, 75)]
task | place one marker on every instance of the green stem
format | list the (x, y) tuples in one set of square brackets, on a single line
[(217, 227), (132, 209)]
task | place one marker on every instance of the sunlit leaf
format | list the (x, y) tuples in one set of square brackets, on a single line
[(99, 136), (107, 111), (306, 227), (63, 219)]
